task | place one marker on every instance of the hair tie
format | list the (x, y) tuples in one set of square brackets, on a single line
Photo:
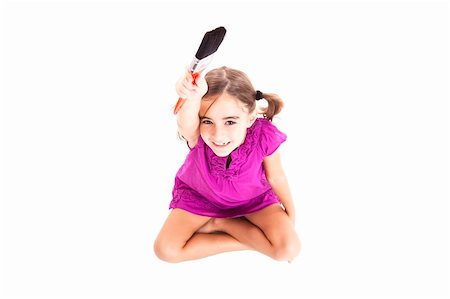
[(259, 95)]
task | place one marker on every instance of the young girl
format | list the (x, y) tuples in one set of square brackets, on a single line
[(231, 193)]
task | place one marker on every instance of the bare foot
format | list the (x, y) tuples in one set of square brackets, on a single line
[(209, 227)]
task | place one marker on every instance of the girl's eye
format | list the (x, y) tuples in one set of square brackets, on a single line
[(206, 122), (230, 122)]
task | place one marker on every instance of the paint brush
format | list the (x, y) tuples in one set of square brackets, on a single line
[(209, 45)]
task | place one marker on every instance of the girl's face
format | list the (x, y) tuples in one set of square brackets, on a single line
[(224, 123)]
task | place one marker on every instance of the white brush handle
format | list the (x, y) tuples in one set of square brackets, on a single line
[(200, 64)]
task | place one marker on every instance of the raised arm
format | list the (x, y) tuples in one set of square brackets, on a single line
[(187, 117)]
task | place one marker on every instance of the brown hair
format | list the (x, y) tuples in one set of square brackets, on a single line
[(237, 84)]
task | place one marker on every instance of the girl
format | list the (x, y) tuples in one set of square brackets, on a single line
[(231, 193)]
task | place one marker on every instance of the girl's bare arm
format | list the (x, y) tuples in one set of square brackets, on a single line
[(279, 183), (187, 117)]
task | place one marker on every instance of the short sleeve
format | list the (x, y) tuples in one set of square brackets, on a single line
[(270, 137)]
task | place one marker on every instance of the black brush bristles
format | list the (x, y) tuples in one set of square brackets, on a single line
[(211, 42)]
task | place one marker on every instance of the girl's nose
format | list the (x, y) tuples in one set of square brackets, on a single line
[(218, 136)]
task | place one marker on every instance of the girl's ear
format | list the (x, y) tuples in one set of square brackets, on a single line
[(251, 119)]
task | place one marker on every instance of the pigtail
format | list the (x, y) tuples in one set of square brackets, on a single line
[(274, 105), (236, 84)]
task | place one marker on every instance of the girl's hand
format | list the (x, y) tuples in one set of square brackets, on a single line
[(291, 215), (185, 89)]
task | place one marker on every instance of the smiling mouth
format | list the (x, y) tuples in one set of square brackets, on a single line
[(221, 144)]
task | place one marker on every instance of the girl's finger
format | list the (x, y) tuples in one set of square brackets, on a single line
[(188, 86)]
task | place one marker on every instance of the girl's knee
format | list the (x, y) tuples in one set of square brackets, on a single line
[(287, 251), (166, 251)]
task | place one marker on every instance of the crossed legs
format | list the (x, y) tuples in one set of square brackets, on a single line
[(186, 236)]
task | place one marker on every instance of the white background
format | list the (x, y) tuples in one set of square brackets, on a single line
[(89, 148)]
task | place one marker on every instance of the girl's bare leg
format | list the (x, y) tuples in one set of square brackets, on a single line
[(269, 231), (179, 240)]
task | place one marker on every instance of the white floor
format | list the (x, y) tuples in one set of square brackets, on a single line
[(89, 149)]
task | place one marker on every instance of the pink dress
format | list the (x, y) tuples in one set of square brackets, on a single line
[(204, 185)]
